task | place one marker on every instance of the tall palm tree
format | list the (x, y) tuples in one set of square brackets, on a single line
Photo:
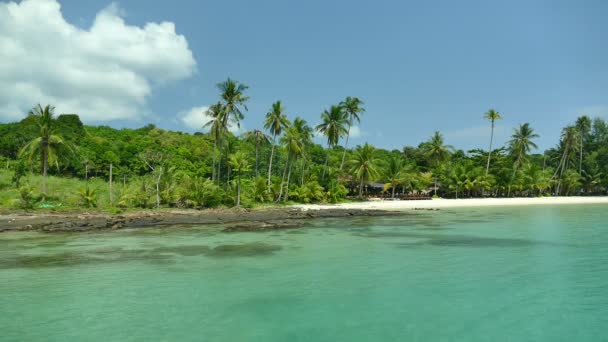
[(568, 146), (436, 149), (583, 124), (352, 107), (519, 146), (233, 94), (333, 128), (306, 134), (258, 138), (294, 146), (491, 115), (364, 165), (215, 115), (240, 164), (234, 100), (276, 121), (394, 172), (48, 144)]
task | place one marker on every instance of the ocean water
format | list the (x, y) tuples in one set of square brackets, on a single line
[(485, 274)]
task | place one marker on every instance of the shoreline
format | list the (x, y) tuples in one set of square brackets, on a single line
[(232, 220), (259, 219), (440, 203)]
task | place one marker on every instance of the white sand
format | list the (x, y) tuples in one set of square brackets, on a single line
[(457, 203)]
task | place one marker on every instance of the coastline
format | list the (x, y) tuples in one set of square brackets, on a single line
[(441, 203), (231, 220), (259, 219)]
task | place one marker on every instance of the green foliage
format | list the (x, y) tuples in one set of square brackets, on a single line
[(27, 197), (88, 197)]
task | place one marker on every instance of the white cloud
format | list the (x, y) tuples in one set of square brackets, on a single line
[(195, 118), (355, 132), (104, 73)]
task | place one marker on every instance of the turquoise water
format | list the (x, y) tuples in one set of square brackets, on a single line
[(501, 274)]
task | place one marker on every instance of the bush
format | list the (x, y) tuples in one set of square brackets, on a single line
[(88, 197), (27, 197)]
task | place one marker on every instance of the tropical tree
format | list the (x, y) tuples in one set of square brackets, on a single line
[(364, 165), (215, 115), (333, 127), (234, 100), (276, 121), (240, 164), (292, 141), (436, 149), (394, 173), (305, 133), (583, 125), (520, 145), (48, 144), (257, 138), (491, 115), (353, 108), (568, 145)]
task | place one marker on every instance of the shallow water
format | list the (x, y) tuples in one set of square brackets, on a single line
[(487, 274)]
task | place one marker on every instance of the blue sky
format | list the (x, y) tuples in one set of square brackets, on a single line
[(419, 66)]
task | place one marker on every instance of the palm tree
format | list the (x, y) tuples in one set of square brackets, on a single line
[(306, 134), (436, 149), (233, 95), (352, 107), (257, 138), (48, 144), (520, 145), (568, 146), (491, 115), (394, 172), (293, 145), (240, 164), (333, 127), (364, 165), (215, 113), (583, 124), (276, 121)]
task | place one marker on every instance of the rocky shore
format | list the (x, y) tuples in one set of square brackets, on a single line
[(233, 220)]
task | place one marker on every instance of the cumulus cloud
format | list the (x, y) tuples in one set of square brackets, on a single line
[(103, 73), (195, 118), (355, 132)]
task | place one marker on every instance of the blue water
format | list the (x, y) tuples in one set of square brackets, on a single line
[(489, 274)]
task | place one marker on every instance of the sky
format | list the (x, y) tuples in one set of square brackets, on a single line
[(419, 66)]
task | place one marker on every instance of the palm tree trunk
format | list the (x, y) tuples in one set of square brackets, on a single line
[(45, 166), (219, 165), (214, 155), (274, 142), (303, 170), (345, 146), (160, 173), (326, 163), (287, 187), (580, 163), (361, 188), (393, 192), (490, 150), (257, 148), (283, 180), (238, 191)]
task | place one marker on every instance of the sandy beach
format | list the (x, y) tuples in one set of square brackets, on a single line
[(457, 203)]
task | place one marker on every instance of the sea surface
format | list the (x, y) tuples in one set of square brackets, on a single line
[(536, 273)]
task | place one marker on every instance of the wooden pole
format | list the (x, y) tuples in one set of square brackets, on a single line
[(111, 197)]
